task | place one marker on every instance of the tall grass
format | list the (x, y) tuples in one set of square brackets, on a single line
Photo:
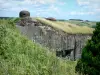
[(20, 56), (67, 27)]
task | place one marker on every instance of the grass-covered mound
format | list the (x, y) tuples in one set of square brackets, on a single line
[(67, 27), (19, 56)]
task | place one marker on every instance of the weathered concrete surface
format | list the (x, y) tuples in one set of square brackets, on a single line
[(55, 39)]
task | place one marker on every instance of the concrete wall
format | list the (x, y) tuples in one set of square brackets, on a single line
[(55, 39)]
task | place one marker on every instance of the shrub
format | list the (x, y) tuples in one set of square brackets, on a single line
[(89, 63)]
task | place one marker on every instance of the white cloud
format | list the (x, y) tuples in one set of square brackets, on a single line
[(93, 5), (88, 2), (7, 3), (98, 16), (98, 9), (34, 6), (48, 10), (16, 9), (54, 8), (82, 2), (13, 5), (39, 7), (81, 13)]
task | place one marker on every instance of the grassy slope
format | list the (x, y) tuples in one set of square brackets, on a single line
[(67, 27), (89, 24), (19, 56)]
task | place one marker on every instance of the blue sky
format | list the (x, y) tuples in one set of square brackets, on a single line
[(60, 9)]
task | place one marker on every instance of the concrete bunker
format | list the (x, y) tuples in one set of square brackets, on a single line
[(68, 45), (24, 13)]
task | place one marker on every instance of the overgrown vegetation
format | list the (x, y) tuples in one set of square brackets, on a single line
[(89, 64), (67, 27), (20, 56)]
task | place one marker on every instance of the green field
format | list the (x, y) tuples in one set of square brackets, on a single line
[(91, 24), (20, 56), (67, 26)]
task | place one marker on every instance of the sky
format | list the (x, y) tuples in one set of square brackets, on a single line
[(59, 9)]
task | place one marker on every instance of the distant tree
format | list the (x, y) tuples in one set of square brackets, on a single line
[(89, 64), (62, 20)]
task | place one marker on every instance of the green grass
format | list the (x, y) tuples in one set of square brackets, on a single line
[(20, 56), (80, 23), (67, 27)]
